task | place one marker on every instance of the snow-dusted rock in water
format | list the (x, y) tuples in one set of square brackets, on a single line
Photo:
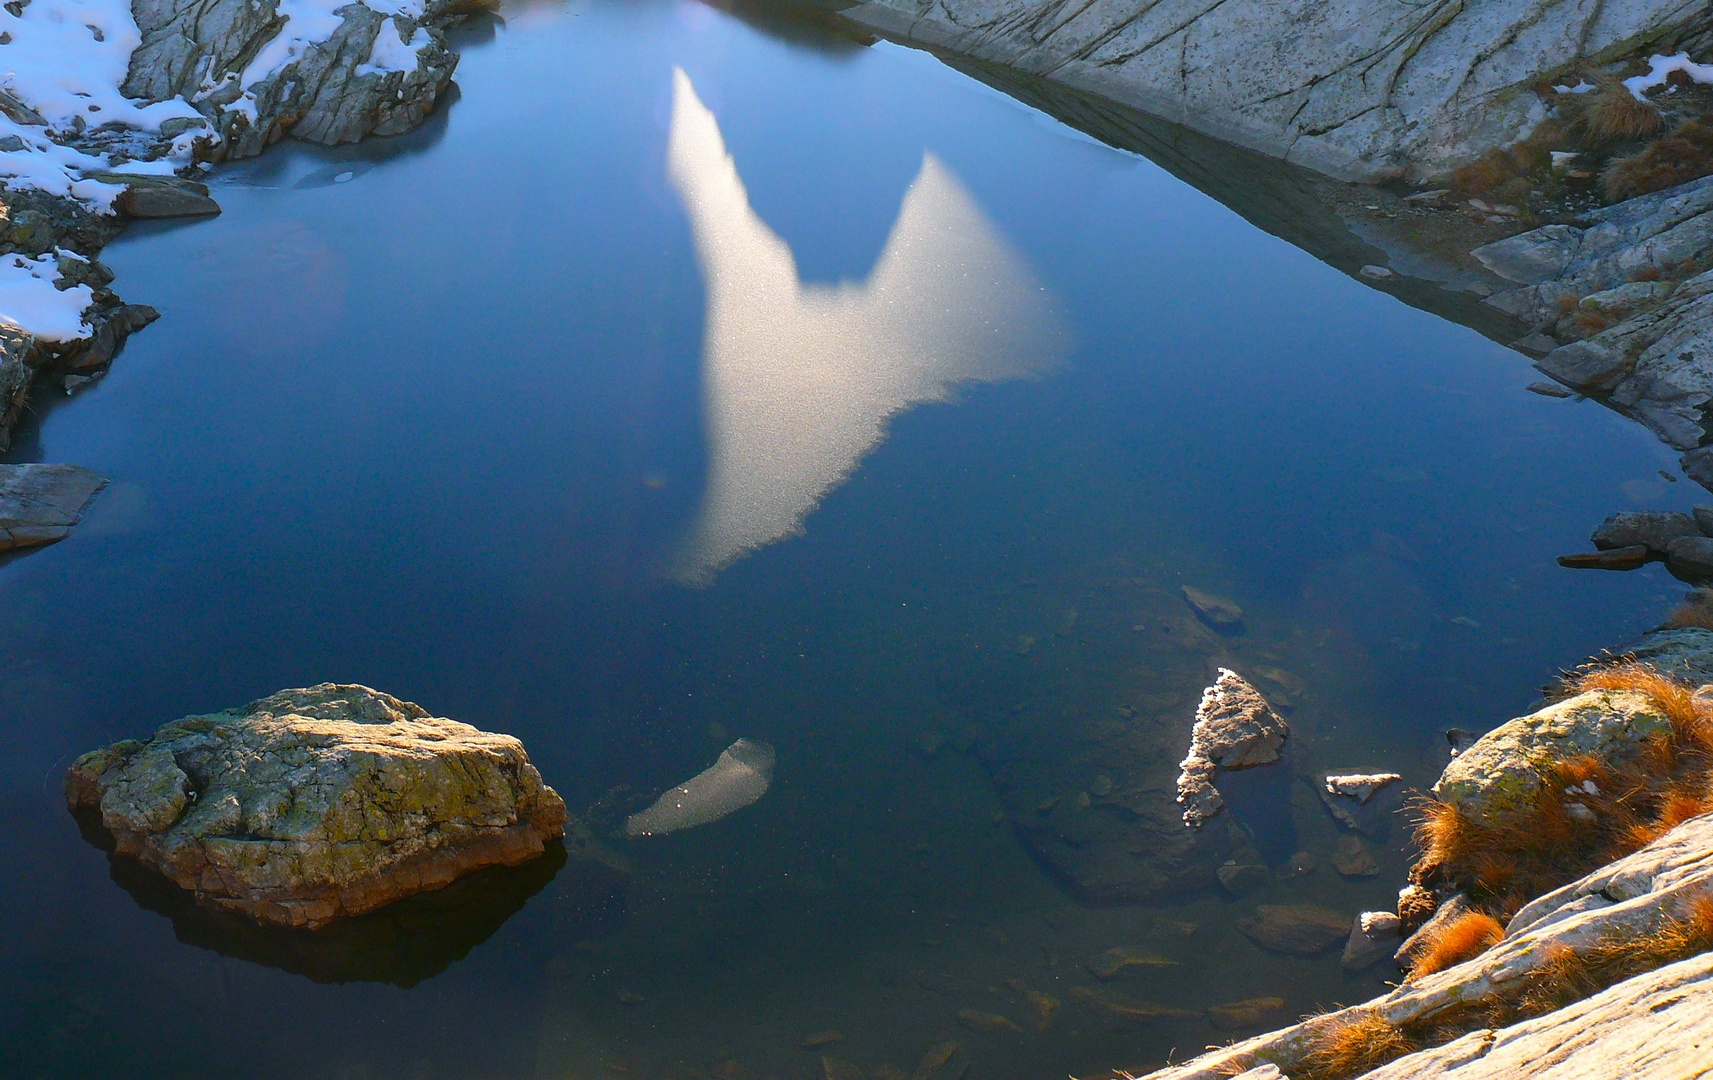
[(1235, 729), (740, 776), (39, 504), (318, 803), (1355, 89)]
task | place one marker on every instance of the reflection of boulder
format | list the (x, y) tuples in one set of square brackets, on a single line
[(313, 804), (401, 944)]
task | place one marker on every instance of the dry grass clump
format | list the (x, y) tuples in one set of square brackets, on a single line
[(1685, 154), (1587, 813), (1610, 113), (1696, 609), (1463, 938), (1355, 1046), (1503, 172)]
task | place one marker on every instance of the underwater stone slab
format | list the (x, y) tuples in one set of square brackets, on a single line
[(1303, 929), (1496, 779), (317, 803)]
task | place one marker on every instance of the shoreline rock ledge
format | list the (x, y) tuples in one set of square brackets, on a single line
[(317, 803)]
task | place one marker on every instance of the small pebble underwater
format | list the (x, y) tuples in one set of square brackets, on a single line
[(700, 378)]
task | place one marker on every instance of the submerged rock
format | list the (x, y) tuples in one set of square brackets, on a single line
[(1303, 929), (318, 803), (740, 776), (1623, 558), (1217, 611), (39, 504), (1235, 729), (1248, 1013), (1370, 941), (1495, 781)]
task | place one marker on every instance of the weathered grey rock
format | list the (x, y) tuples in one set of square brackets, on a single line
[(1652, 529), (317, 803), (1703, 516), (1356, 91), (1358, 786), (1302, 929), (1690, 558), (1217, 610), (39, 504), (1653, 1027), (1371, 936), (1495, 781), (328, 94), (1622, 558), (1656, 364), (1235, 729), (159, 196), (1630, 898), (1685, 653)]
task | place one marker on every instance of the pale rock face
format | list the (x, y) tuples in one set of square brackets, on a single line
[(317, 803), (1354, 89), (1497, 778), (1235, 729), (1360, 786), (39, 504)]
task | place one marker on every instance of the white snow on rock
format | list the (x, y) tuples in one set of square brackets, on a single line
[(393, 51), (68, 57), (30, 302), (1661, 66)]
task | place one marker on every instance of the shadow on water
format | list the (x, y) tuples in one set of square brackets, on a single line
[(808, 25), (402, 944)]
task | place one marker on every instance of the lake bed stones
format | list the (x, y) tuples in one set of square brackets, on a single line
[(317, 803)]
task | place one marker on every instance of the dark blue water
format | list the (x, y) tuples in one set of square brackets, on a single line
[(434, 414)]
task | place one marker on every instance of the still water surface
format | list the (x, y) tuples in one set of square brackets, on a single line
[(685, 380)]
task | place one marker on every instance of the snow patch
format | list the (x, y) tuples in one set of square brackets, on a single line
[(393, 51), (1661, 66), (69, 57), (30, 302)]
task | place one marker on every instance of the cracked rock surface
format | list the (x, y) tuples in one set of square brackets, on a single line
[(1356, 89), (40, 503), (317, 803)]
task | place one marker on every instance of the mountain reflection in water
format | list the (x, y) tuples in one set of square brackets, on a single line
[(799, 380)]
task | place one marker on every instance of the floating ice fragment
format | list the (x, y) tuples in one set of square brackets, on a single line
[(740, 776)]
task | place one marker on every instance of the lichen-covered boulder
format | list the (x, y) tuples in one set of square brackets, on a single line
[(317, 803), (1495, 781)]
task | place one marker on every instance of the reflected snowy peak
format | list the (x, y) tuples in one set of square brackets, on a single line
[(799, 380)]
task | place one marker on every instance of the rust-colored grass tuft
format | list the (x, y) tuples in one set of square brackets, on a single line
[(1697, 608), (1684, 155), (1610, 113), (1463, 938), (1352, 1047)]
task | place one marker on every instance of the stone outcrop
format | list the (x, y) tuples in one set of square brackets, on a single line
[(1235, 729), (1353, 90), (317, 803), (1631, 266), (39, 504), (1495, 781)]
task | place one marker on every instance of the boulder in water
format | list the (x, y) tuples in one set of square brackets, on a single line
[(1235, 729), (318, 803)]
